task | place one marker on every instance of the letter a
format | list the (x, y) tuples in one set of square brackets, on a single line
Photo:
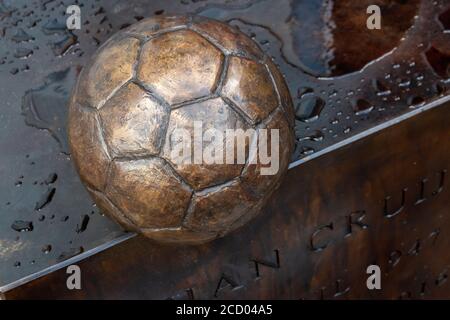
[(374, 281), (74, 280), (74, 20), (374, 20)]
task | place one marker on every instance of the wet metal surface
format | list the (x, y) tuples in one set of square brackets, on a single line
[(46, 216)]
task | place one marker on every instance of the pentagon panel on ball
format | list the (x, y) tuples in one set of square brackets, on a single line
[(181, 128)]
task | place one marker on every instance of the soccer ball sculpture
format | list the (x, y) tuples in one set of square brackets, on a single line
[(164, 74)]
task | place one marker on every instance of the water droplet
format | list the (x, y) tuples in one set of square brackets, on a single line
[(439, 88), (23, 53), (62, 45), (47, 107), (305, 151), (316, 136), (51, 178), (403, 83), (416, 101), (444, 19), (54, 26), (46, 198), (46, 249), (439, 61), (83, 225), (21, 36), (381, 88), (309, 108), (71, 253), (362, 106), (22, 226), (304, 90)]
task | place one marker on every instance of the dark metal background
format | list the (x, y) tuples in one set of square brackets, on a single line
[(330, 219), (40, 59)]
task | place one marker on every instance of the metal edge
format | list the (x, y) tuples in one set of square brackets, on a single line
[(66, 263), (294, 164), (372, 130)]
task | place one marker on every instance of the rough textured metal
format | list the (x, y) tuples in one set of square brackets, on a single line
[(213, 113), (121, 136), (179, 66)]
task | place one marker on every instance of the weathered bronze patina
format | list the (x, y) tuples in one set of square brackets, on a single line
[(160, 75)]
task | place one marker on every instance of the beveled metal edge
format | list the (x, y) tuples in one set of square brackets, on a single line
[(66, 263), (372, 130), (294, 164)]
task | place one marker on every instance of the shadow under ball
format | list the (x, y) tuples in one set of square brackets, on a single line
[(145, 82)]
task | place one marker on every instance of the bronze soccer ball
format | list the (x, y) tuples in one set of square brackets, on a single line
[(164, 74)]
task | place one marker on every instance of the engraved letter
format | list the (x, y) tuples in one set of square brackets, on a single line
[(318, 231), (355, 219), (224, 282), (400, 209), (274, 265)]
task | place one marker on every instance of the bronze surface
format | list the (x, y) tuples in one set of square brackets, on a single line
[(125, 108)]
